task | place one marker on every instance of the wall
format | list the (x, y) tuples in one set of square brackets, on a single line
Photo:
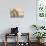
[(6, 22)]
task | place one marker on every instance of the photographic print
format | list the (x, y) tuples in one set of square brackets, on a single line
[(16, 12)]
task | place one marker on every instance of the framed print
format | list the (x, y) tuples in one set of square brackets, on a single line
[(41, 12), (16, 12), (41, 8)]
